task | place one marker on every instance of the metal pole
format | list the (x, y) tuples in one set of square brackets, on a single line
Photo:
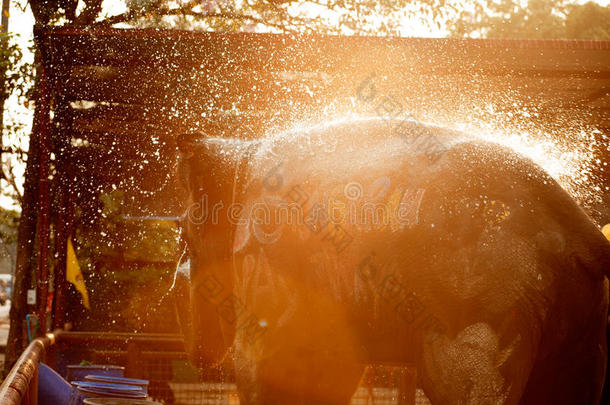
[(6, 5), (4, 30), (64, 232), (21, 384), (43, 201)]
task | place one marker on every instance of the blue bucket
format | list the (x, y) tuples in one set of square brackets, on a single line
[(78, 373), (143, 384), (52, 388)]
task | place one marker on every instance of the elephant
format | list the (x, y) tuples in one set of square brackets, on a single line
[(317, 250)]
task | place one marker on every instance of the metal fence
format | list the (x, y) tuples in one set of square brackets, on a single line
[(21, 385), (161, 359)]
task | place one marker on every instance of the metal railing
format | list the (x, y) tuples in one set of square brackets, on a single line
[(20, 387)]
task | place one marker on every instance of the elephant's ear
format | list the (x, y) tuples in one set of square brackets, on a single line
[(199, 157), (207, 164), (188, 144)]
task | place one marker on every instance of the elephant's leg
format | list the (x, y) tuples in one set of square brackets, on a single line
[(473, 368), (332, 380), (569, 380), (300, 378), (573, 372)]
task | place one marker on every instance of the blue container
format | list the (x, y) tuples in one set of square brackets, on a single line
[(78, 373), (143, 384), (52, 388), (99, 392), (80, 393), (118, 401), (118, 388)]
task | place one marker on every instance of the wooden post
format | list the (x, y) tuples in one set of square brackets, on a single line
[(6, 5), (65, 221), (407, 385), (43, 200), (26, 235)]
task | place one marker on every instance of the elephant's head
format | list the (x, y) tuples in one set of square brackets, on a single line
[(203, 285)]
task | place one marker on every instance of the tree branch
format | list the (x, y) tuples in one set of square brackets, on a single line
[(10, 179), (13, 151), (131, 15), (303, 22), (89, 14)]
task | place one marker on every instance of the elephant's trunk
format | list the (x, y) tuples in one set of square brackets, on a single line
[(180, 291), (207, 169)]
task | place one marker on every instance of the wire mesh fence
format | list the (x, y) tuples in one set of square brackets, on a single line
[(174, 381)]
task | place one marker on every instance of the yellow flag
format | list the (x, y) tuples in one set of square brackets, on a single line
[(606, 231), (74, 275)]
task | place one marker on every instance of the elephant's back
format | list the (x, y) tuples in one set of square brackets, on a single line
[(347, 151), (474, 227)]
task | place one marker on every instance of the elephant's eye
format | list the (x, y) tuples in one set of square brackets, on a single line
[(182, 222)]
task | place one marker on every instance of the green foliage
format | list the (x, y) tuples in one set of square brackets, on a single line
[(589, 21), (17, 74), (128, 268), (9, 55), (110, 238), (9, 221), (544, 19), (385, 17)]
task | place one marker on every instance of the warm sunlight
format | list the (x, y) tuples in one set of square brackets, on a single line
[(314, 202)]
